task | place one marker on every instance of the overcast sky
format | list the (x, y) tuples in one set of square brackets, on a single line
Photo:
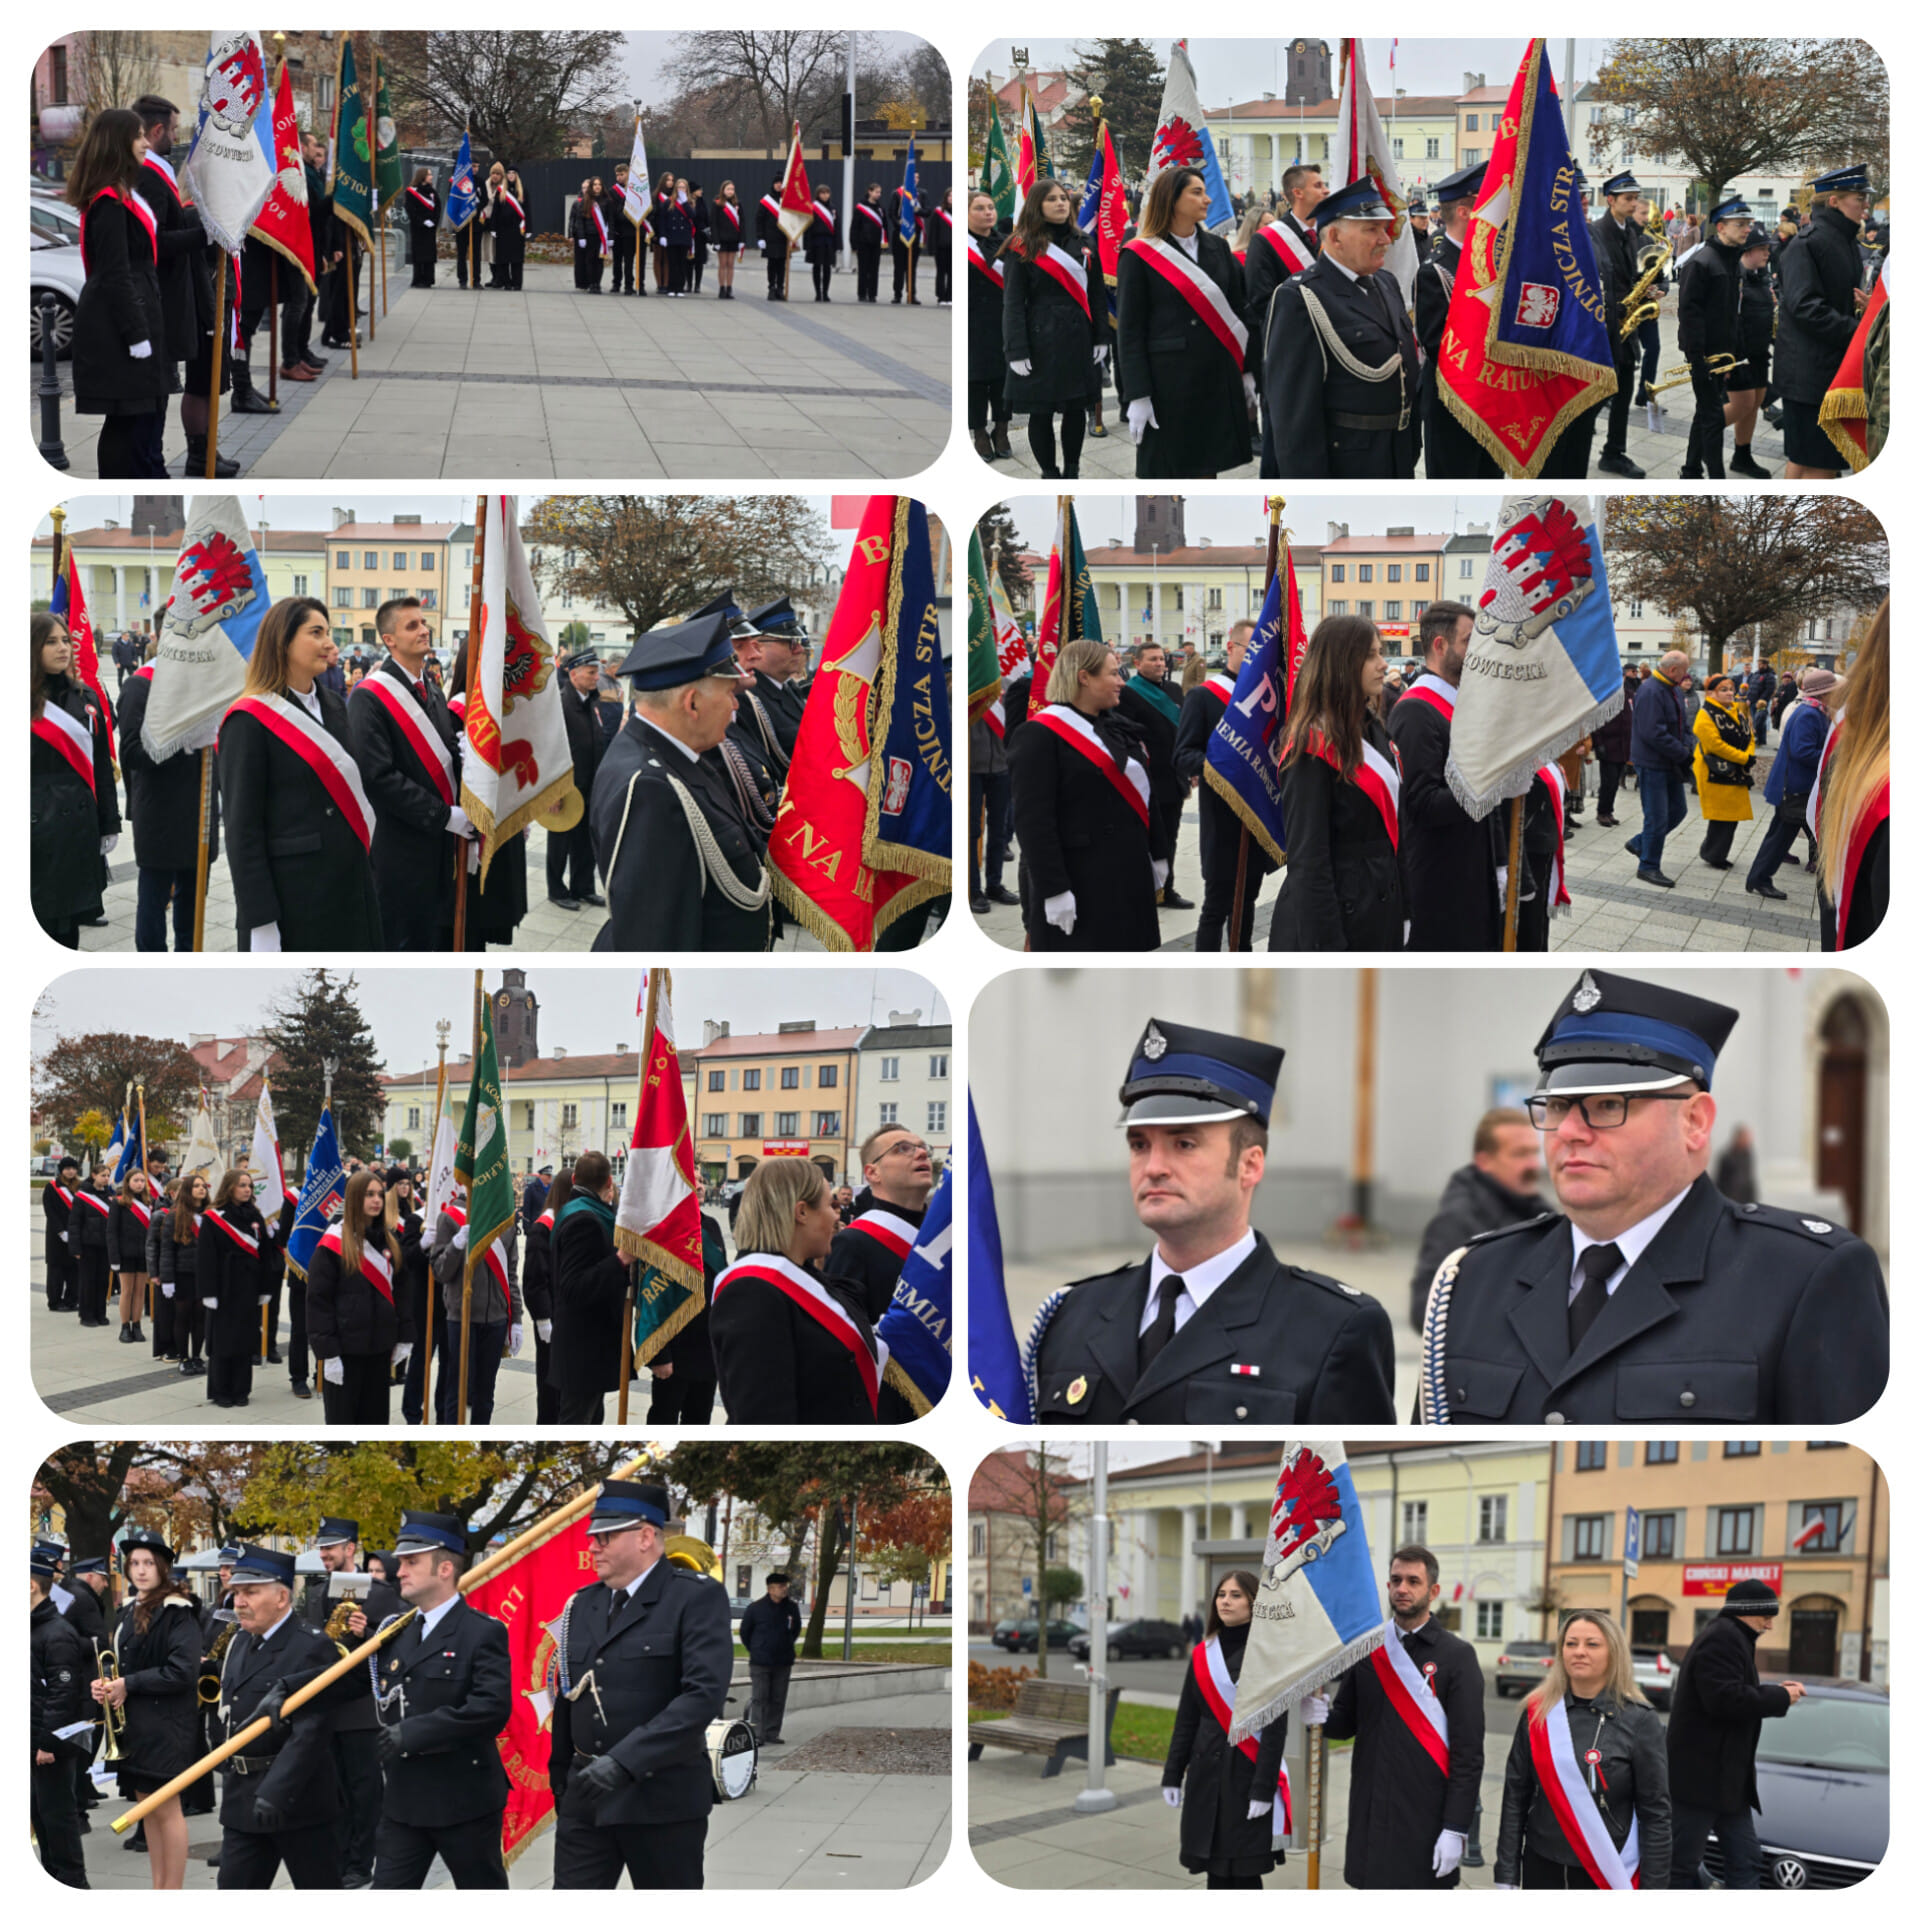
[(648, 53), (583, 1012), (1240, 520)]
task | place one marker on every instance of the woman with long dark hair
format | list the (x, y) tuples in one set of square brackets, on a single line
[(73, 810), (986, 340), (729, 234), (423, 224), (299, 825), (662, 200), (1340, 798), (120, 366), (1235, 1804), (93, 1244), (1093, 852), (677, 232), (357, 1321), (507, 230), (1183, 338), (233, 1286), (1722, 768), (179, 1322), (586, 226), (132, 1217), (1053, 326)]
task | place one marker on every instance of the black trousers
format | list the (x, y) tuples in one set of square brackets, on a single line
[(943, 278), (901, 257), (471, 1849), (1719, 841), (622, 278), (299, 1363), (63, 1280), (250, 1860), (1170, 810), (486, 1343), (867, 266), (546, 1396), (1626, 368), (776, 275), (93, 1284), (1538, 1872), (1706, 438), (129, 447), (581, 1409), (680, 1402), (56, 1813), (229, 1378), (982, 394), (670, 1855), (767, 1711), (822, 278), (296, 322), (413, 1393), (991, 812), (1216, 899), (362, 1399), (1610, 772), (679, 269), (356, 1755), (576, 847)]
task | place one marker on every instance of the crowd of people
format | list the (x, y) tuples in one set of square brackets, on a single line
[(786, 1333), (1091, 774)]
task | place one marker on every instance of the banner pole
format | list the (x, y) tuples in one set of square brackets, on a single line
[(466, 1273), (1512, 934), (200, 860), (213, 385), (473, 667), (353, 308), (1316, 1770)]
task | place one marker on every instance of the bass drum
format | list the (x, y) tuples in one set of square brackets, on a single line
[(734, 1755)]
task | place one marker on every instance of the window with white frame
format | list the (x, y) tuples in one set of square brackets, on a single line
[(889, 1066), (936, 1116), (1489, 1619), (889, 1113)]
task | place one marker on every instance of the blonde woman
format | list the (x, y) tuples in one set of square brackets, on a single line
[(1850, 802), (789, 1351), (1093, 852), (1586, 1801)]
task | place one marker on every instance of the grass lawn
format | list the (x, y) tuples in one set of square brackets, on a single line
[(925, 1654), (1139, 1733)]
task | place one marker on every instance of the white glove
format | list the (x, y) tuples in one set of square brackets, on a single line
[(262, 1299), (543, 1331), (1259, 1809), (402, 1352), (212, 1306), (265, 939), (273, 1227), (473, 854), (516, 1334), (1171, 1795), (1159, 875), (1021, 367), (1062, 911), (460, 1238), (761, 244), (1505, 1886), (1140, 416), (1447, 1851), (1314, 1709), (166, 1291), (334, 1371), (113, 1267), (1251, 391), (63, 1239), (458, 824), (1100, 356), (108, 841), (141, 350), (579, 243)]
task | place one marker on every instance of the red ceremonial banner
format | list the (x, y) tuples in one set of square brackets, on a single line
[(284, 222)]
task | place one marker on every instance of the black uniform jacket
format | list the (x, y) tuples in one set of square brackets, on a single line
[(1734, 1312), (1398, 1801), (785, 702), (1615, 248), (861, 1270), (586, 738), (186, 284), (1710, 301), (1713, 1727), (450, 1694), (56, 1207), (1267, 267), (119, 307), (1452, 452), (1042, 322), (869, 236), (659, 1678), (1201, 712), (1217, 1781), (66, 823), (1329, 423), (778, 1366), (986, 342), (352, 1694), (1447, 856), (92, 1229), (770, 1631), (1818, 274), (589, 1289), (1169, 355), (1324, 1351), (290, 1765), (824, 239), (62, 1668), (228, 1274), (769, 233), (347, 1313), (295, 861), (162, 1671), (1342, 891), (413, 854), (163, 797), (660, 897)]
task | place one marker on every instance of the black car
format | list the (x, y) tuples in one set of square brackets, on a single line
[(1521, 1665), (1136, 1639), (1823, 1786), (1023, 1636)]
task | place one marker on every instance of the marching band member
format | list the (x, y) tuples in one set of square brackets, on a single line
[(180, 1307), (299, 824), (1053, 327), (73, 807), (1821, 300), (1710, 289), (132, 1216), (227, 1269), (58, 1699), (92, 1241), (356, 1323), (986, 340)]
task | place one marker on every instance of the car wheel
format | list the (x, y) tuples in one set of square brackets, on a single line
[(63, 315)]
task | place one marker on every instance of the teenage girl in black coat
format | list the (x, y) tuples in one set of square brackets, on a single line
[(72, 824), (423, 225), (92, 1241), (357, 1331), (1055, 346), (507, 222), (233, 1286), (132, 1216), (729, 234), (986, 342), (179, 1323), (823, 242)]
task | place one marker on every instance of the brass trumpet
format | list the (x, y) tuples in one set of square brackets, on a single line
[(107, 1663), (1652, 261), (209, 1688), (1720, 364)]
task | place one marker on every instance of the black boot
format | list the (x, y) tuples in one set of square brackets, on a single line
[(194, 467), (247, 398), (1002, 446), (1744, 462), (982, 445)]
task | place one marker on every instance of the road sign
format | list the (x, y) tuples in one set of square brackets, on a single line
[(1026, 1588), (1630, 1555)]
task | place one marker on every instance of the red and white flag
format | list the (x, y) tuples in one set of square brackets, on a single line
[(285, 223), (263, 1158), (796, 196)]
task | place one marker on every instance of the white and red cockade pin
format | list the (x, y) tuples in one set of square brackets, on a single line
[(1244, 1373)]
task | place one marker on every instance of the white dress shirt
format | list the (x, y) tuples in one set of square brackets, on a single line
[(1632, 1244), (1199, 1283), (434, 1615), (679, 746), (310, 699)]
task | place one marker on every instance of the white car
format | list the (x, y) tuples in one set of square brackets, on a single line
[(55, 219), (56, 270)]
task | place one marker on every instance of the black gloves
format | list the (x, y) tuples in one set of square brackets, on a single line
[(600, 1779)]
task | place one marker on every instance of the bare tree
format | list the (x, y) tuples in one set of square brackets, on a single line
[(784, 72), (116, 68), (523, 93), (1047, 1497)]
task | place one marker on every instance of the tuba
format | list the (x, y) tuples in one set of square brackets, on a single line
[(107, 1664), (685, 1551), (1642, 303)]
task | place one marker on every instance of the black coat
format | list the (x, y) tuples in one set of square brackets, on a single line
[(586, 738), (85, 1615), (1753, 330), (1710, 301), (769, 233), (233, 1277), (1615, 247), (536, 1272), (1323, 1349), (1452, 452), (413, 855), (186, 280), (119, 307), (660, 897), (295, 860), (589, 1290), (861, 1270), (56, 1211), (509, 229), (352, 1694), (1313, 401), (1217, 1781), (1713, 1726), (1632, 1746), (727, 236), (871, 236), (92, 1229), (1170, 356), (1472, 1203), (785, 702), (1398, 1801), (986, 323), (127, 1238), (450, 1695), (1078, 836), (179, 1266), (1732, 1313), (1447, 857), (1157, 736), (660, 1673), (778, 1367), (770, 1631), (1266, 268), (347, 1313), (1040, 321), (824, 239), (60, 1671), (163, 797), (162, 1672), (301, 1784), (66, 823), (1818, 274), (423, 222), (1342, 891)]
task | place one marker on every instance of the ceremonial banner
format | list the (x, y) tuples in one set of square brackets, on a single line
[(983, 656), (69, 605), (1243, 751), (1318, 1610), (387, 177), (910, 182), (232, 160), (637, 202), (1526, 349), (658, 1218), (1181, 139), (917, 1327), (1103, 213), (321, 1194), (518, 766), (441, 1187), (909, 826), (207, 629), (461, 198), (480, 1162), (1031, 161), (283, 222), (993, 1354), (996, 172), (1071, 609), (1543, 667), (350, 165), (132, 1149), (796, 196), (203, 1155), (263, 1159), (1362, 150), (1843, 413)]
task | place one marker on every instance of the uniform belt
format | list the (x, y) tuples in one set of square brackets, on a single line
[(1369, 422), (257, 1763)]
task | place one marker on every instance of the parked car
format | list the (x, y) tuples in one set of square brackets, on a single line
[(1023, 1636), (1654, 1671), (55, 221), (56, 270), (1823, 1772), (1521, 1665), (1135, 1639)]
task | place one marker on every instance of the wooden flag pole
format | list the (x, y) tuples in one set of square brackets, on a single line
[(213, 385), (353, 310), (273, 328), (1511, 935), (201, 853), (466, 1272), (383, 269), (1274, 508), (473, 667), (1316, 1775)]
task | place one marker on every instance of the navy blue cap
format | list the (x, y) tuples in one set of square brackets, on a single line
[(628, 1503), (1734, 209), (424, 1532), (43, 1557), (138, 1537), (96, 1565), (1843, 180), (573, 662), (1622, 183), (1358, 200), (1417, 204), (723, 604), (1191, 1075), (334, 1532), (697, 649), (1615, 1034), (778, 621), (261, 1566), (231, 1552), (1464, 185)]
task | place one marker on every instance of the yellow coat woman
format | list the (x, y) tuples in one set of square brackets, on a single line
[(1721, 769)]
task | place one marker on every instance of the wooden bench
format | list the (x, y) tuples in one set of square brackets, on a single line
[(1049, 1717)]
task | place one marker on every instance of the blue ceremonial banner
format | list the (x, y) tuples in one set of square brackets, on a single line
[(993, 1354), (910, 185), (128, 1134), (910, 795), (460, 195), (1243, 754), (320, 1195), (918, 1325)]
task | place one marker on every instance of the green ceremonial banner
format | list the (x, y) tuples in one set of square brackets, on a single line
[(996, 175), (983, 650), (350, 171), (480, 1162), (388, 173)]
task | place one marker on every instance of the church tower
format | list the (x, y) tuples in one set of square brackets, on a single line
[(1309, 73), (1159, 523), (516, 1020)]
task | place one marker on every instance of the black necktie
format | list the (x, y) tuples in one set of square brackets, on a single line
[(1153, 1341), (1596, 1266), (620, 1598)]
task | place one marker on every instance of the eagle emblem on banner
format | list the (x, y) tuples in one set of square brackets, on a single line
[(1306, 1518)]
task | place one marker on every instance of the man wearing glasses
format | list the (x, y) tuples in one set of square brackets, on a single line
[(1653, 1297), (864, 1262)]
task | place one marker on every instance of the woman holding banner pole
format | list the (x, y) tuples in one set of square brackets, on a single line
[(358, 1324), (1236, 1806)]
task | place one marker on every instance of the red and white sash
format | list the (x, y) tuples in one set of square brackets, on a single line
[(1200, 291), (1410, 1694), (146, 672), (69, 738), (818, 1305), (162, 168), (331, 764), (823, 214), (545, 1220), (993, 269), (63, 1194), (426, 199), (135, 206), (98, 1202), (1072, 726), (1431, 691), (244, 1241), (1557, 1768), (496, 1262), (1557, 793), (375, 1267), (771, 204), (507, 196), (1221, 684), (138, 1208), (873, 213), (1067, 273), (1377, 776), (399, 699), (600, 224), (940, 213), (897, 1235), (1219, 1690), (1288, 245), (731, 211)]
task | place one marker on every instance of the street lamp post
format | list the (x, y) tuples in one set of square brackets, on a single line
[(1096, 1797)]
